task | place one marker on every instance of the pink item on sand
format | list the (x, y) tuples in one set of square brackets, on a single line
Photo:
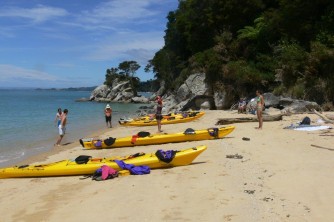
[(106, 171)]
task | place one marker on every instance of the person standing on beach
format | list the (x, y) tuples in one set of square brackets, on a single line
[(62, 127), (259, 107), (158, 115), (108, 113), (58, 116)]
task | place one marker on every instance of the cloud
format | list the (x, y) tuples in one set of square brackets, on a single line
[(119, 15), (37, 14), (118, 12), (9, 72), (128, 46)]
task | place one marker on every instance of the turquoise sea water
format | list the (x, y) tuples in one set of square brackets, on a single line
[(27, 120)]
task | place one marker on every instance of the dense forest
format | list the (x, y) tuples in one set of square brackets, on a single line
[(282, 46)]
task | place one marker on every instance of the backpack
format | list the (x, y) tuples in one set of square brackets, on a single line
[(306, 121)]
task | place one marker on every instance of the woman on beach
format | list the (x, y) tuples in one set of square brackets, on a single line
[(107, 113), (58, 116), (259, 107), (158, 114)]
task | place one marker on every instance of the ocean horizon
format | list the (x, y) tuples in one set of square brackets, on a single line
[(27, 117)]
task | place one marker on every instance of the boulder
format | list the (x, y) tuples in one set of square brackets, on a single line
[(120, 91), (205, 105), (170, 103), (300, 106), (271, 100), (193, 86), (100, 92), (285, 101), (139, 99), (219, 99)]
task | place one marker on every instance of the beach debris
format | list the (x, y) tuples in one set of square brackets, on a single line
[(224, 121), (327, 120), (321, 147), (267, 199), (249, 191), (246, 138), (307, 209), (235, 156)]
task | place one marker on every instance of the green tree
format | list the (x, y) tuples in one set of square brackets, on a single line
[(129, 68)]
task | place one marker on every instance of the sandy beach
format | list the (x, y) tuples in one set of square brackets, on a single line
[(283, 175)]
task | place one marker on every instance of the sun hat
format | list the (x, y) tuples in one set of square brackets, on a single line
[(107, 107)]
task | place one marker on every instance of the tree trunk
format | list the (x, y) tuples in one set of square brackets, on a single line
[(225, 121), (323, 117)]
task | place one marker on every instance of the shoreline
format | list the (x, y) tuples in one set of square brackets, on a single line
[(41, 157), (280, 177)]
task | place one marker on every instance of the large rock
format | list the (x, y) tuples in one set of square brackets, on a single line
[(285, 101), (271, 100), (139, 99), (193, 86), (300, 106), (205, 105), (100, 92), (120, 91), (219, 99)]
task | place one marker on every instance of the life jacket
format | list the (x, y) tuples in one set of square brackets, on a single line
[(104, 172), (134, 170), (166, 156), (213, 132)]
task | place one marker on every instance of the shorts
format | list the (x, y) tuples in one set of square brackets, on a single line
[(108, 118), (61, 130), (158, 117)]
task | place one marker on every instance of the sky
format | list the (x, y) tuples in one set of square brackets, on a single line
[(71, 43)]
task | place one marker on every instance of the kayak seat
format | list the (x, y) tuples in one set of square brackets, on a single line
[(189, 131), (109, 141), (82, 159)]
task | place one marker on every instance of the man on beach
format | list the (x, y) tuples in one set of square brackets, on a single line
[(62, 127), (107, 113)]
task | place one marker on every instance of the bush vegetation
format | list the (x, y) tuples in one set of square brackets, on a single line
[(284, 46)]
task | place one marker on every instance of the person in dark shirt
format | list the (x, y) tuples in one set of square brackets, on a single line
[(158, 114)]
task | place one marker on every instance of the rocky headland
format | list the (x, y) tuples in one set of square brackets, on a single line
[(194, 94)]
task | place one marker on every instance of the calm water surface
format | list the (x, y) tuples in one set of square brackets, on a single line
[(27, 120)]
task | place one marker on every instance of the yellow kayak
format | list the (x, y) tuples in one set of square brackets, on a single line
[(166, 120), (73, 167), (139, 140)]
